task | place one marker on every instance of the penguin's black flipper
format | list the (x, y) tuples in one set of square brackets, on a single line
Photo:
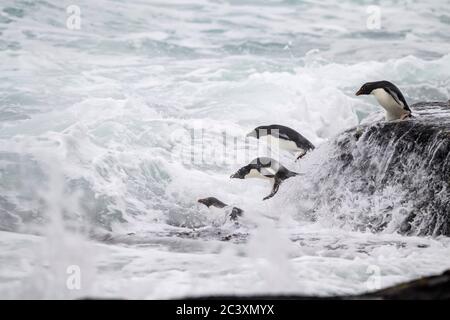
[(276, 186), (397, 95)]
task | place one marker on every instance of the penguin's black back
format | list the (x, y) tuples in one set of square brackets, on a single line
[(262, 163), (287, 133)]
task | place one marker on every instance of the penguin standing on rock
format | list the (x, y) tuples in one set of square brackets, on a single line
[(389, 97), (214, 202), (286, 138), (265, 168)]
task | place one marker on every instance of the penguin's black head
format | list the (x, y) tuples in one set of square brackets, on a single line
[(258, 132), (241, 173), (367, 88), (211, 201), (254, 134)]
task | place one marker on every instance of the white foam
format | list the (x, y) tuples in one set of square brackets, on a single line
[(103, 108)]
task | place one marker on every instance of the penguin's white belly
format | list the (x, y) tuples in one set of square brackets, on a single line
[(393, 109), (218, 216), (282, 144), (256, 174)]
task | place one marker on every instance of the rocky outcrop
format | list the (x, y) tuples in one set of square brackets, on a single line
[(399, 168), (426, 288), (435, 287)]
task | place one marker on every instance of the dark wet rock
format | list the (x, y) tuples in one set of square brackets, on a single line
[(435, 287), (427, 288), (399, 168)]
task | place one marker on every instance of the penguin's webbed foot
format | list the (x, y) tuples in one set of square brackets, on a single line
[(406, 116), (301, 155)]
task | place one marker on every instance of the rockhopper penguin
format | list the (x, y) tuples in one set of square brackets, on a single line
[(234, 212), (389, 97), (286, 138), (265, 168)]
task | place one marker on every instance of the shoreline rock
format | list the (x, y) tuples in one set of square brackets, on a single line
[(436, 287)]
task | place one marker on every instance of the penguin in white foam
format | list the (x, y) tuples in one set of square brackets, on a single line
[(265, 168), (233, 212), (389, 97), (285, 137)]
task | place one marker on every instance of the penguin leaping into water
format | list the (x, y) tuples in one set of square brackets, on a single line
[(265, 168), (389, 97), (286, 138), (234, 212)]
